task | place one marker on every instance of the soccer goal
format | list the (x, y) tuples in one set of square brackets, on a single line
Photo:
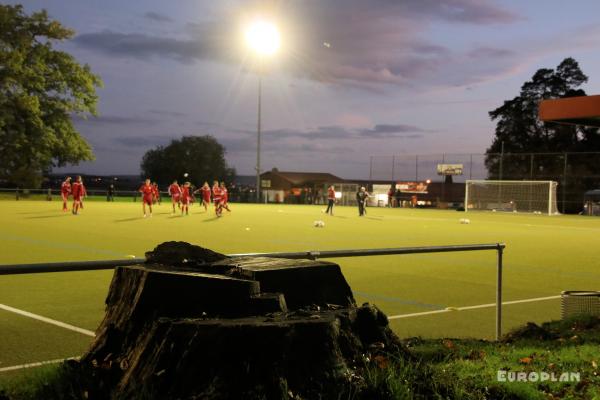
[(537, 197)]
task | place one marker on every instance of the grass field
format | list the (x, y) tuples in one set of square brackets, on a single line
[(544, 255)]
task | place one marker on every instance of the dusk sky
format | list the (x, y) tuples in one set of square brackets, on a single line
[(352, 78)]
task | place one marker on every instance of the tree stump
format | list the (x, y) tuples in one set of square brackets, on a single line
[(194, 324)]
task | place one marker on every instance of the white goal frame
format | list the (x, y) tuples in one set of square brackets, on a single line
[(505, 200)]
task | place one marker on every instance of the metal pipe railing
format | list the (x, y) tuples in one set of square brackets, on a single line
[(313, 255), (11, 269)]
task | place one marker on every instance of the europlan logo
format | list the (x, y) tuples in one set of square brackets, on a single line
[(541, 376)]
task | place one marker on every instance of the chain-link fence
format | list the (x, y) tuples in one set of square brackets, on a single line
[(575, 173)]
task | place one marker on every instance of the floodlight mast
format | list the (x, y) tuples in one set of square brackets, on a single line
[(262, 37), (258, 133)]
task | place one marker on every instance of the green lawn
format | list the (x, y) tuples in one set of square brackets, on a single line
[(544, 255)]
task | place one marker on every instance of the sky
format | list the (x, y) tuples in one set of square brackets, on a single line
[(352, 79)]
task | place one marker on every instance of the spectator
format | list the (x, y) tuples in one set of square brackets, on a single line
[(391, 194), (330, 200), (398, 198), (110, 193), (362, 196)]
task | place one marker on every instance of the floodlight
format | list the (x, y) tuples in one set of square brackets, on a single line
[(263, 37)]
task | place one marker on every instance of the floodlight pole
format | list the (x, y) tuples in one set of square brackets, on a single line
[(258, 131)]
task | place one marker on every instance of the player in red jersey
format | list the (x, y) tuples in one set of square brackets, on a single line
[(155, 193), (146, 190), (186, 198), (224, 197), (65, 191), (78, 191), (205, 191), (83, 195), (175, 193), (217, 197)]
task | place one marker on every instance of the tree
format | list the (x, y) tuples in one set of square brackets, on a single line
[(521, 132), (201, 157), (40, 89)]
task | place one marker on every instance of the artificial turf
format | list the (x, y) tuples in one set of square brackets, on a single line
[(544, 256)]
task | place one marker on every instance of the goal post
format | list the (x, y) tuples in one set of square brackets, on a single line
[(537, 197)]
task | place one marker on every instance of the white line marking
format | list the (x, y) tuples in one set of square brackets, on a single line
[(36, 364), (473, 307), (47, 320)]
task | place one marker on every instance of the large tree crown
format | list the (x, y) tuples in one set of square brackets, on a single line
[(201, 157), (517, 123), (40, 89)]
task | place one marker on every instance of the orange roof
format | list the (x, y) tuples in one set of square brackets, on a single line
[(581, 110)]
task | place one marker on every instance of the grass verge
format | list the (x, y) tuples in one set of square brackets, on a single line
[(435, 368)]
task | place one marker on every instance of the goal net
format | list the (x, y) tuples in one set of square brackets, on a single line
[(515, 196)]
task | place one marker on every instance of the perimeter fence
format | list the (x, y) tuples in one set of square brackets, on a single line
[(575, 173)]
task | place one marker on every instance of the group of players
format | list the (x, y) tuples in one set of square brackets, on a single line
[(182, 196), (75, 189)]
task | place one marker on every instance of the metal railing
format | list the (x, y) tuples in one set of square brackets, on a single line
[(11, 269)]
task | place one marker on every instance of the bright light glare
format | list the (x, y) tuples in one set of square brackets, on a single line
[(263, 37)]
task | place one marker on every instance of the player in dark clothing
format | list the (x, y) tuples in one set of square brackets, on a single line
[(330, 200), (398, 198), (361, 199), (110, 193)]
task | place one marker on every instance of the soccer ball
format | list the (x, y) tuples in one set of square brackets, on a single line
[(319, 224), (465, 221), (185, 175)]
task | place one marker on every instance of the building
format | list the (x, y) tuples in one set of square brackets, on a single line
[(297, 187), (579, 110)]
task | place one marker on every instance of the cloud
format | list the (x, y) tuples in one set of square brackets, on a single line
[(464, 11), (142, 141), (281, 145), (370, 45), (320, 133), (490, 52), (394, 131), (167, 113), (104, 120), (383, 131), (154, 16), (238, 144), (144, 46), (334, 132)]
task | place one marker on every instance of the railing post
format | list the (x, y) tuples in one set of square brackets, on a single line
[(499, 294)]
